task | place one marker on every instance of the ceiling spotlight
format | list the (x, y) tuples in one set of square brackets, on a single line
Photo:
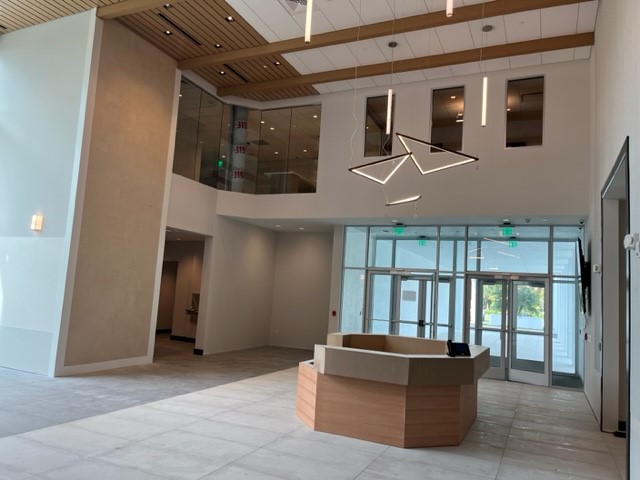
[(452, 97), (392, 44), (221, 72), (276, 63), (217, 45), (262, 121), (487, 28), (167, 32), (168, 5), (300, 228), (272, 128), (305, 150), (315, 116), (229, 18)]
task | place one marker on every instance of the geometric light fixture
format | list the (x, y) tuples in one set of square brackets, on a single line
[(421, 152), (449, 9), (380, 171), (413, 198)]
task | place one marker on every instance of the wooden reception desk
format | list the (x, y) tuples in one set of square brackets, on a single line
[(399, 391)]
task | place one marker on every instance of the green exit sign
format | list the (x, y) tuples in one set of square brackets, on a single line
[(513, 243), (399, 230), (422, 242), (220, 163), (507, 231)]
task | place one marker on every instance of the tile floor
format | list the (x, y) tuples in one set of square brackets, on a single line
[(247, 429)]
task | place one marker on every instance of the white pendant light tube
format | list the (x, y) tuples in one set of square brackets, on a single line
[(449, 10), (307, 24), (484, 101), (389, 108)]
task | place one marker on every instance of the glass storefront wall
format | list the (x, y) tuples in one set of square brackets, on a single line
[(235, 148), (410, 280)]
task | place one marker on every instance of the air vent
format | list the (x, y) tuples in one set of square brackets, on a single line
[(179, 29), (295, 7)]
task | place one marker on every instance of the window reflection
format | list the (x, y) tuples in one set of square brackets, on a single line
[(525, 99), (279, 147), (376, 141), (447, 118)]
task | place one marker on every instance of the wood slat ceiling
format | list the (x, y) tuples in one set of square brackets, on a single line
[(203, 40)]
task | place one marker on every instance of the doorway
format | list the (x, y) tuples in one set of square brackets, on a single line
[(510, 315), (613, 331), (403, 304)]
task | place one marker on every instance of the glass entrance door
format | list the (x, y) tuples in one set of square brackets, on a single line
[(510, 316), (414, 307), (400, 304)]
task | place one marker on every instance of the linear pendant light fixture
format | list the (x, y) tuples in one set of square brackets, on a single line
[(389, 109), (307, 24), (449, 10), (484, 101)]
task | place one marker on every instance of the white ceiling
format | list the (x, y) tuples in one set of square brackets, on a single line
[(275, 20)]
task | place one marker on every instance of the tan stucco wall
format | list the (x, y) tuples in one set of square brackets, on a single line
[(111, 309)]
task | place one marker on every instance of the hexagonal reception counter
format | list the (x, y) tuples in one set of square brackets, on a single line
[(399, 391)]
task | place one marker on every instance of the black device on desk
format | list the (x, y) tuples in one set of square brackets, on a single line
[(456, 349)]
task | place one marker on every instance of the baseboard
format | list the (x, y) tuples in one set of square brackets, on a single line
[(182, 339), (163, 330), (198, 351), (622, 425)]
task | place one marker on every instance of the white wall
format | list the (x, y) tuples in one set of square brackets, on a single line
[(241, 290), (617, 114), (44, 85), (546, 180), (301, 285)]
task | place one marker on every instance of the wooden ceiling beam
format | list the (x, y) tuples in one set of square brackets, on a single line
[(400, 25), (433, 61), (129, 7)]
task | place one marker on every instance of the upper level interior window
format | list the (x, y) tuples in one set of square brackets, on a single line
[(447, 118), (525, 101), (252, 151), (376, 141)]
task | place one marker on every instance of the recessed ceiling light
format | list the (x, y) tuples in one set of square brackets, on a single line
[(459, 120), (265, 66), (315, 116), (276, 153), (278, 226), (262, 121), (453, 97), (179, 238), (218, 45), (221, 72), (272, 128), (169, 230), (229, 18), (276, 63), (305, 150), (300, 228), (168, 5), (180, 95), (167, 32), (508, 109)]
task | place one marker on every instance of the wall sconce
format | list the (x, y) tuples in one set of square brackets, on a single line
[(37, 222)]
